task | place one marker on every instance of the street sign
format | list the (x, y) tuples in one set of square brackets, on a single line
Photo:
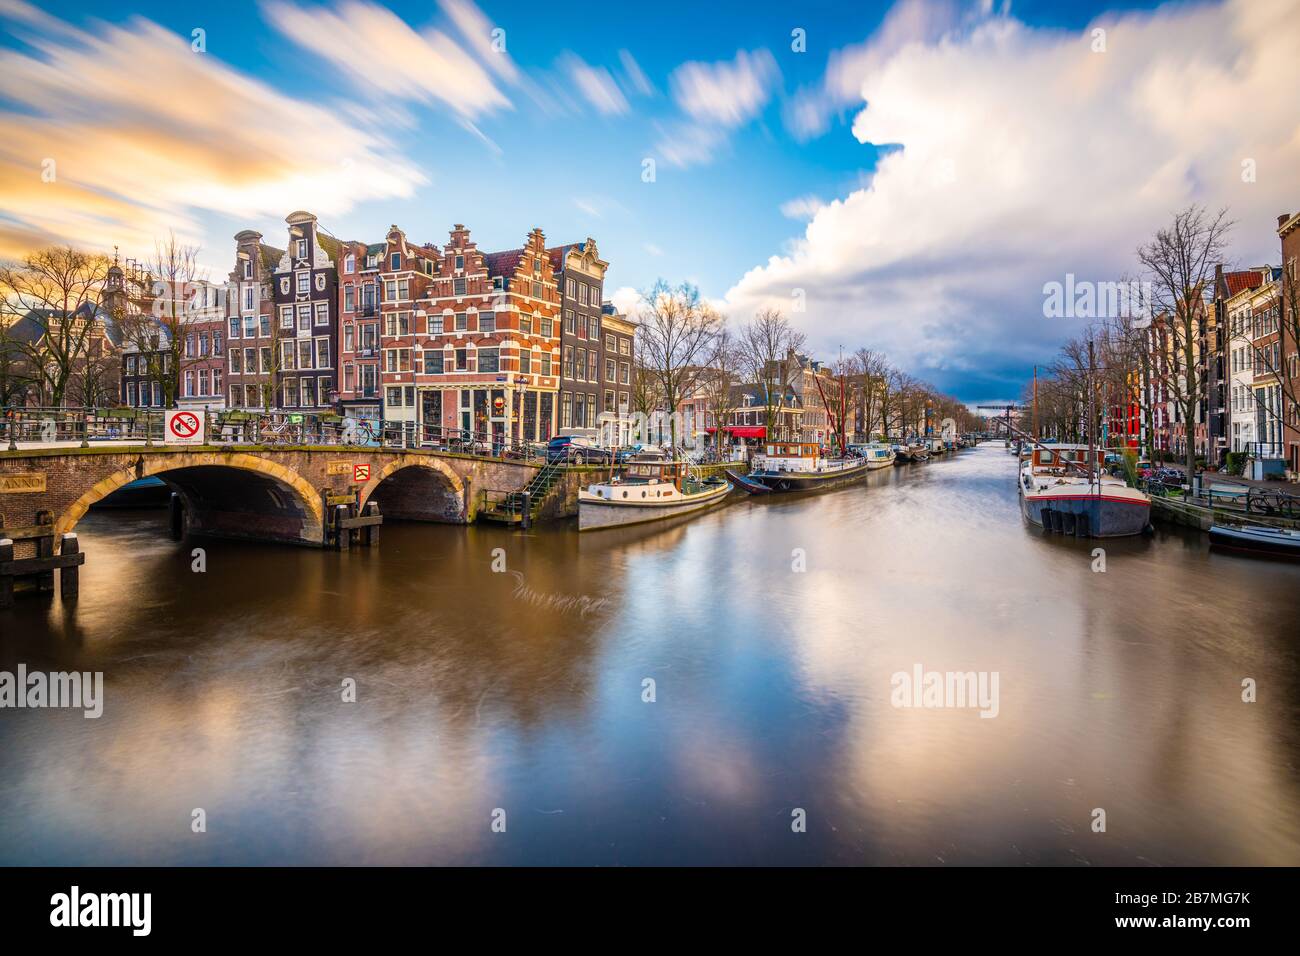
[(360, 473), (184, 427)]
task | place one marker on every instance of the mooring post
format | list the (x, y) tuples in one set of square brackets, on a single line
[(526, 519), (372, 531), (341, 534), (176, 517), (69, 575), (45, 549), (6, 578)]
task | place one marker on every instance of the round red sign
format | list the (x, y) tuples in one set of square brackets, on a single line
[(185, 424)]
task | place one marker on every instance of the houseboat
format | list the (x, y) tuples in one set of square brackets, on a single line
[(800, 466), (1061, 491), (877, 455), (920, 451), (649, 488)]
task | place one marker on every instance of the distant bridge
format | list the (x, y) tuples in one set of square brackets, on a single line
[(276, 492)]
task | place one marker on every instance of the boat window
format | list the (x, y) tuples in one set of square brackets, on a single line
[(1045, 457)]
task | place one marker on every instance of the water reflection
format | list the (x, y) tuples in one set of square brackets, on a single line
[(481, 690)]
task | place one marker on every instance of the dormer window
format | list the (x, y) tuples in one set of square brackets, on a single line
[(350, 264)]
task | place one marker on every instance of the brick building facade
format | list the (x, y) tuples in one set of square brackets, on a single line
[(250, 334), (304, 341)]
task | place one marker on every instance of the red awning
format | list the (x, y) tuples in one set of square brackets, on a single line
[(743, 431)]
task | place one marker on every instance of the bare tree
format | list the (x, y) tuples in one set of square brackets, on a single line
[(677, 333), (55, 289), (872, 368), (719, 383), (1179, 261), (767, 346), (157, 324)]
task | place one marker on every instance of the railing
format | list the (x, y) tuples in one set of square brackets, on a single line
[(46, 426)]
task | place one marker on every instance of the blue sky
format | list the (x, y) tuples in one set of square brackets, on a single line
[(536, 149)]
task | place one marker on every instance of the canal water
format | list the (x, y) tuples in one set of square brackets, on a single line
[(772, 630)]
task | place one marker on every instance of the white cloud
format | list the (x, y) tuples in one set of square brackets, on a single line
[(689, 144), (1025, 156), (410, 65), (477, 32), (135, 157), (807, 113), (728, 93), (627, 300), (596, 84), (802, 207), (635, 80)]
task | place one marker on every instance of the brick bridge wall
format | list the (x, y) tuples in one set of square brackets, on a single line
[(253, 491)]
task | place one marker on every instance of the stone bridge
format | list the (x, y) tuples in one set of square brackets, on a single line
[(253, 491)]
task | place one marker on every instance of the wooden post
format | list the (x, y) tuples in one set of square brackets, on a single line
[(342, 535), (45, 549), (176, 517), (69, 576), (526, 519), (6, 580), (372, 531)]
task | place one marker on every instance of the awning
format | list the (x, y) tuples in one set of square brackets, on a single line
[(742, 431)]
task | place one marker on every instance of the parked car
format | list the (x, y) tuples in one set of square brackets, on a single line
[(577, 450)]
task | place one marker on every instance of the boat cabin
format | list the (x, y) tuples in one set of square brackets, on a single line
[(794, 450), (652, 471), (1065, 459)]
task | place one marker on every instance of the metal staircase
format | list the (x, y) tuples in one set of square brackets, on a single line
[(510, 506)]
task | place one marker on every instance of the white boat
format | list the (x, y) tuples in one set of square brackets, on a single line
[(800, 466), (1059, 492), (877, 455), (648, 489)]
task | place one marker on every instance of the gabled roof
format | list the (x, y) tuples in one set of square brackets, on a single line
[(557, 253), (1240, 281), (331, 245), (271, 256), (503, 263)]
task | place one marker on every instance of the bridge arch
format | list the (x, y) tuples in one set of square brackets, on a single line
[(265, 499), (418, 488)]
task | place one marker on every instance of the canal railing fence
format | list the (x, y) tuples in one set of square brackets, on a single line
[(28, 425)]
